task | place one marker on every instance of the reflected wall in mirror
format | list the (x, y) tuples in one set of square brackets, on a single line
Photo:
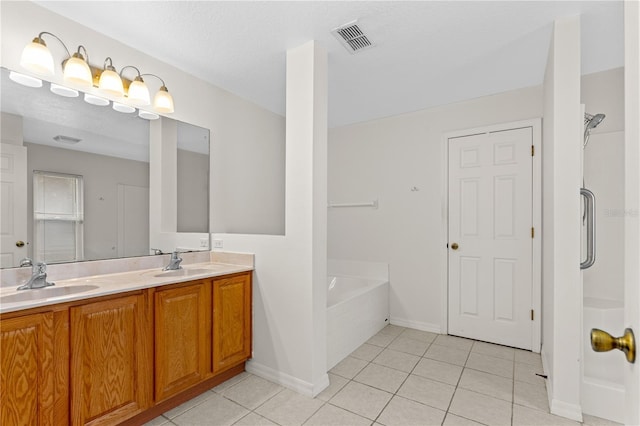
[(104, 213)]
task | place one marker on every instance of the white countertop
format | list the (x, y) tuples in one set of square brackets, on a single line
[(102, 285)]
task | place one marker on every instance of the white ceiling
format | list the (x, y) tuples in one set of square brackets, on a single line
[(427, 53)]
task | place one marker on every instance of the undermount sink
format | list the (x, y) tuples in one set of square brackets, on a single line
[(184, 272), (47, 292)]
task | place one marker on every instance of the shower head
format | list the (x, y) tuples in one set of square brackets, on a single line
[(590, 122)]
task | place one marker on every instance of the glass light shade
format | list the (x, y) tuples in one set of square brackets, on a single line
[(64, 91), (25, 80), (163, 102), (138, 93), (37, 58), (147, 115), (95, 100), (123, 108), (77, 71), (111, 84)]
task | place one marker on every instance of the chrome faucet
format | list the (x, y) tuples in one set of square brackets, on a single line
[(26, 262), (174, 262), (38, 277)]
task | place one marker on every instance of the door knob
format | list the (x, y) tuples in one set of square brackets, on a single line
[(601, 341), (454, 246), (19, 243)]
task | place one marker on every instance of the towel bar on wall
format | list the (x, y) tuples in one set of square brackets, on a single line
[(373, 204)]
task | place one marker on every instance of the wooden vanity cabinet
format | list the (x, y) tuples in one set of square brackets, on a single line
[(231, 321), (111, 362), (26, 366), (182, 320)]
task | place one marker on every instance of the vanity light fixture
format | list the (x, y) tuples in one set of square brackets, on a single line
[(77, 71)]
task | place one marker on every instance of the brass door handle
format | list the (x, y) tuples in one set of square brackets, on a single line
[(454, 246), (19, 243), (601, 341)]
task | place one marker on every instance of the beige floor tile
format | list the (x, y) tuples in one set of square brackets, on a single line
[(490, 364), (401, 412), (330, 415), (410, 346), (289, 408), (381, 339), (426, 391), (453, 420), (454, 342), (447, 354), (481, 408), (394, 330), (398, 360), (527, 373), (232, 381), (252, 392), (174, 412), (366, 352), (531, 395), (335, 384), (361, 399), (252, 419), (217, 411), (423, 336), (488, 384), (523, 416), (438, 370), (381, 377), (349, 367), (588, 420), (158, 421), (528, 357), (497, 351)]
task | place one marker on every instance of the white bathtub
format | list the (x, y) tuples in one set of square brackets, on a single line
[(357, 308), (603, 391)]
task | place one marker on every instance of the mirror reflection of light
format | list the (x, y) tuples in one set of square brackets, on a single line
[(95, 100), (123, 108), (25, 80), (147, 115), (67, 92)]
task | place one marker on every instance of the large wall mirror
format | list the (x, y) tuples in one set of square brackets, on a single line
[(75, 178)]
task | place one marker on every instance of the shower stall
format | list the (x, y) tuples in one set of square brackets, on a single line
[(602, 386)]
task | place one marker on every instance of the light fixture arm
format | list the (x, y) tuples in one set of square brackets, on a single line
[(135, 68), (40, 40), (153, 75), (86, 54), (109, 67)]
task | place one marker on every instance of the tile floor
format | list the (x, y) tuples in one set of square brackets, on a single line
[(400, 376)]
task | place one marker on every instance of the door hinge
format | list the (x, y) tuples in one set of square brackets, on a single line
[(533, 150), (533, 232), (532, 315)]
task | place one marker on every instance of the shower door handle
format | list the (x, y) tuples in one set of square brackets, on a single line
[(590, 210)]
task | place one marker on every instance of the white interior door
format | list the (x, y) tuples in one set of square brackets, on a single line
[(133, 220), (13, 202), (490, 237)]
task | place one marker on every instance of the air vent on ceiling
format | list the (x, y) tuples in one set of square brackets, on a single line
[(352, 37), (66, 139)]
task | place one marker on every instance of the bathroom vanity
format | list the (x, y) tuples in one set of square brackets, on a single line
[(124, 349)]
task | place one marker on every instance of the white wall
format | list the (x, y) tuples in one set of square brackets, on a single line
[(384, 159), (562, 282), (603, 92), (290, 287), (247, 142)]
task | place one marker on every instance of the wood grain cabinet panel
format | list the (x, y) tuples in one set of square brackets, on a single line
[(110, 363), (182, 324), (26, 370), (231, 321)]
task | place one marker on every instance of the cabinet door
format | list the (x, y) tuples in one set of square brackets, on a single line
[(231, 321), (182, 324), (26, 366), (110, 362)]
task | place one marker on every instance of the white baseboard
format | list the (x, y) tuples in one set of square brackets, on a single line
[(564, 409), (418, 325), (286, 380)]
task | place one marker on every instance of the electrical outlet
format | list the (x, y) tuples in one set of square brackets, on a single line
[(217, 243), (204, 242)]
